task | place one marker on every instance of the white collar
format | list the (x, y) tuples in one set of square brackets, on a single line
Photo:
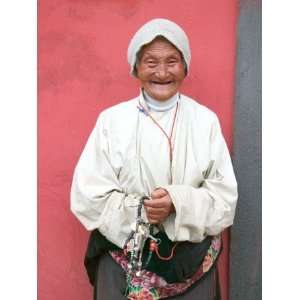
[(160, 105)]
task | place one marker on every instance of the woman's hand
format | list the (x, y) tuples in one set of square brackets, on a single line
[(159, 207)]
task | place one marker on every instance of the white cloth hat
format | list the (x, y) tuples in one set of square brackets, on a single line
[(158, 27)]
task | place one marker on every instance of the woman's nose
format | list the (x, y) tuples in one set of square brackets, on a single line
[(161, 71)]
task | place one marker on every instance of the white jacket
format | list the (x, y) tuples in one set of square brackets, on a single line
[(127, 156)]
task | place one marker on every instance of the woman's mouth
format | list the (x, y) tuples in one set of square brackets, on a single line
[(161, 82)]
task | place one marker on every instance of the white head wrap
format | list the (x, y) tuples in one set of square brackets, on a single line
[(158, 27)]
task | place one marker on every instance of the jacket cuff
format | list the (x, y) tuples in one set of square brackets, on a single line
[(191, 208)]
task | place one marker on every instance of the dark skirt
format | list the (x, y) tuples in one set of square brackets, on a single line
[(110, 283)]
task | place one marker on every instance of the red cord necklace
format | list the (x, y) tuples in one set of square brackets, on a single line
[(153, 244), (169, 138)]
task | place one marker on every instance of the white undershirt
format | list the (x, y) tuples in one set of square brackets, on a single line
[(160, 105)]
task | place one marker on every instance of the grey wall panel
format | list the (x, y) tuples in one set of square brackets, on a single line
[(245, 252)]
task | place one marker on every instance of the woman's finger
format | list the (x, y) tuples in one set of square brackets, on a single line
[(159, 193), (153, 221)]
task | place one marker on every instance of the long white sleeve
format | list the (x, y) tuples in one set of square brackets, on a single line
[(210, 208), (97, 199)]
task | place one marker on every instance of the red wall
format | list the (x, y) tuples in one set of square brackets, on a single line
[(82, 69)]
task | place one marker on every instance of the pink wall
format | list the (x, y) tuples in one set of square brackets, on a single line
[(82, 69)]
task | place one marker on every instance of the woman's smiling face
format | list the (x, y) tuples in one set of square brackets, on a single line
[(160, 69)]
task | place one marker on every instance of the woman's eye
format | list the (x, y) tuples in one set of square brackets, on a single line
[(172, 62), (151, 64)]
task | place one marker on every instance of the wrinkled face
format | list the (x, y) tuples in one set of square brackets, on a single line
[(160, 69)]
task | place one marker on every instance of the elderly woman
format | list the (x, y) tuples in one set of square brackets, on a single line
[(155, 183)]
